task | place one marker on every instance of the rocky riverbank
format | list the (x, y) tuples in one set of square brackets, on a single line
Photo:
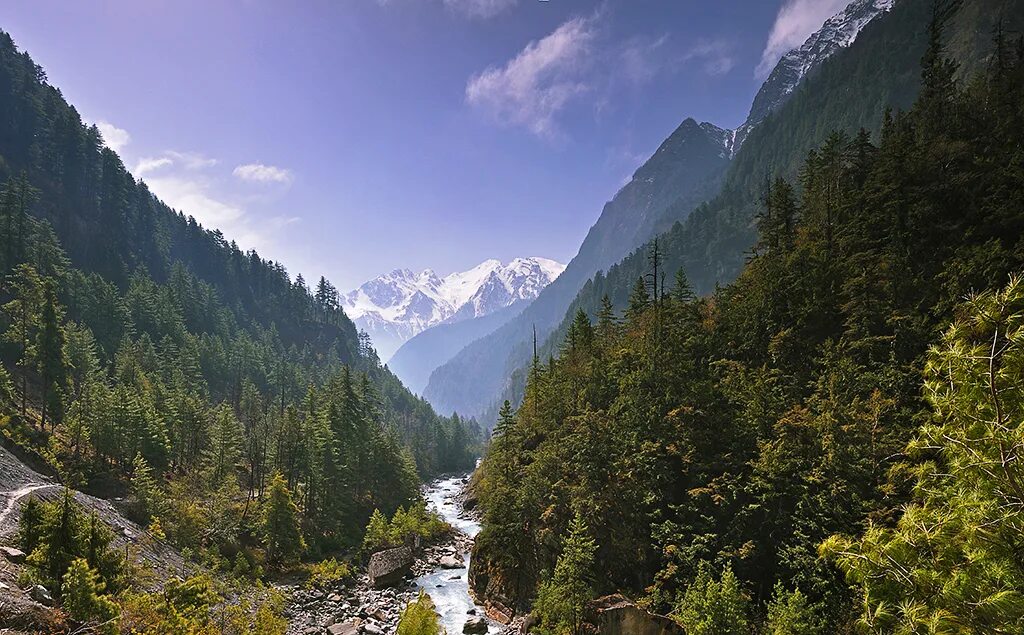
[(357, 606)]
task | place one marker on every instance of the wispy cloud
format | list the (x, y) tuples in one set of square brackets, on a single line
[(536, 84), (716, 56), (795, 22), (151, 164), (260, 173), (115, 138), (184, 160), (480, 8)]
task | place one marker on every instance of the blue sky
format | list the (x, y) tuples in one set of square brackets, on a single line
[(351, 137)]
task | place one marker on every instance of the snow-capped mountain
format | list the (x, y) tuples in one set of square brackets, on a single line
[(396, 306), (838, 32)]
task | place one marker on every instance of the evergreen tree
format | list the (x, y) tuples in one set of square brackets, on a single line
[(51, 357), (562, 600), (82, 597), (281, 528)]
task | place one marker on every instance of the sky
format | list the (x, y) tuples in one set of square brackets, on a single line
[(348, 138)]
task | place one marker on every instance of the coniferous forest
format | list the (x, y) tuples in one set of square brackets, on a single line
[(826, 441), (236, 409), (829, 444)]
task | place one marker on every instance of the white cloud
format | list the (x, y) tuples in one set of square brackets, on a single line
[(151, 164), (480, 8), (115, 138), (795, 22), (191, 160), (185, 160), (193, 197), (261, 173), (535, 85), (716, 56)]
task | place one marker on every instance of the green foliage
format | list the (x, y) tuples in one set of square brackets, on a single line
[(404, 526), (327, 573), (562, 599), (789, 613), (952, 562), (84, 600), (748, 426), (713, 606), (419, 618), (281, 527), (55, 535)]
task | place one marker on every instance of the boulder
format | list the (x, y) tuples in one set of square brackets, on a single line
[(41, 595), (346, 628), (617, 615), (17, 556), (451, 562), (389, 567), (475, 625)]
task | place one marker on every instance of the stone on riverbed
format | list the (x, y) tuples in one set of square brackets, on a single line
[(475, 625), (347, 628), (389, 567), (451, 562)]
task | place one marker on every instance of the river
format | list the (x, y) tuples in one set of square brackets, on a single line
[(449, 588)]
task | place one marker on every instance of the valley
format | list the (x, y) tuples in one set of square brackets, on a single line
[(775, 390)]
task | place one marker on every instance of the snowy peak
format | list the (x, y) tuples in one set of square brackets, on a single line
[(398, 305), (836, 33)]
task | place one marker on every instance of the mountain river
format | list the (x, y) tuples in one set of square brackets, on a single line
[(449, 588)]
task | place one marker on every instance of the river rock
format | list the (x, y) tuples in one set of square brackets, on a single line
[(40, 594), (451, 562), (17, 556), (476, 625), (390, 566), (617, 615), (347, 628)]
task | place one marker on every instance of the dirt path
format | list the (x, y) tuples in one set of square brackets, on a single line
[(13, 498)]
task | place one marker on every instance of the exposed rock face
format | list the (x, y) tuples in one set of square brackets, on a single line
[(476, 625), (617, 615), (17, 556), (387, 568), (489, 588)]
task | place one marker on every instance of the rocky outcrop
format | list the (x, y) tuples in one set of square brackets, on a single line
[(617, 615), (389, 567)]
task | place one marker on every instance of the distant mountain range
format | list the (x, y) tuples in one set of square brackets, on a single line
[(394, 307), (687, 170)]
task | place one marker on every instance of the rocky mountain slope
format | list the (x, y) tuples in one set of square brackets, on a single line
[(397, 306), (686, 170)]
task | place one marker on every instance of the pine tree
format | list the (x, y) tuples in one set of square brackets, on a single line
[(144, 489), (30, 525), (713, 606), (281, 528), (51, 357), (419, 618), (82, 597), (562, 599)]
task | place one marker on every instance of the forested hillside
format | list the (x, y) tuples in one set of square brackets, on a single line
[(713, 225), (697, 452), (850, 92), (146, 356)]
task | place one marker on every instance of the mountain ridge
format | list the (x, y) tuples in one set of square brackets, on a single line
[(396, 306), (687, 170)]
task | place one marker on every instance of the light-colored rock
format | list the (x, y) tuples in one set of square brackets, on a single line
[(346, 628), (40, 594), (451, 562), (17, 556)]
